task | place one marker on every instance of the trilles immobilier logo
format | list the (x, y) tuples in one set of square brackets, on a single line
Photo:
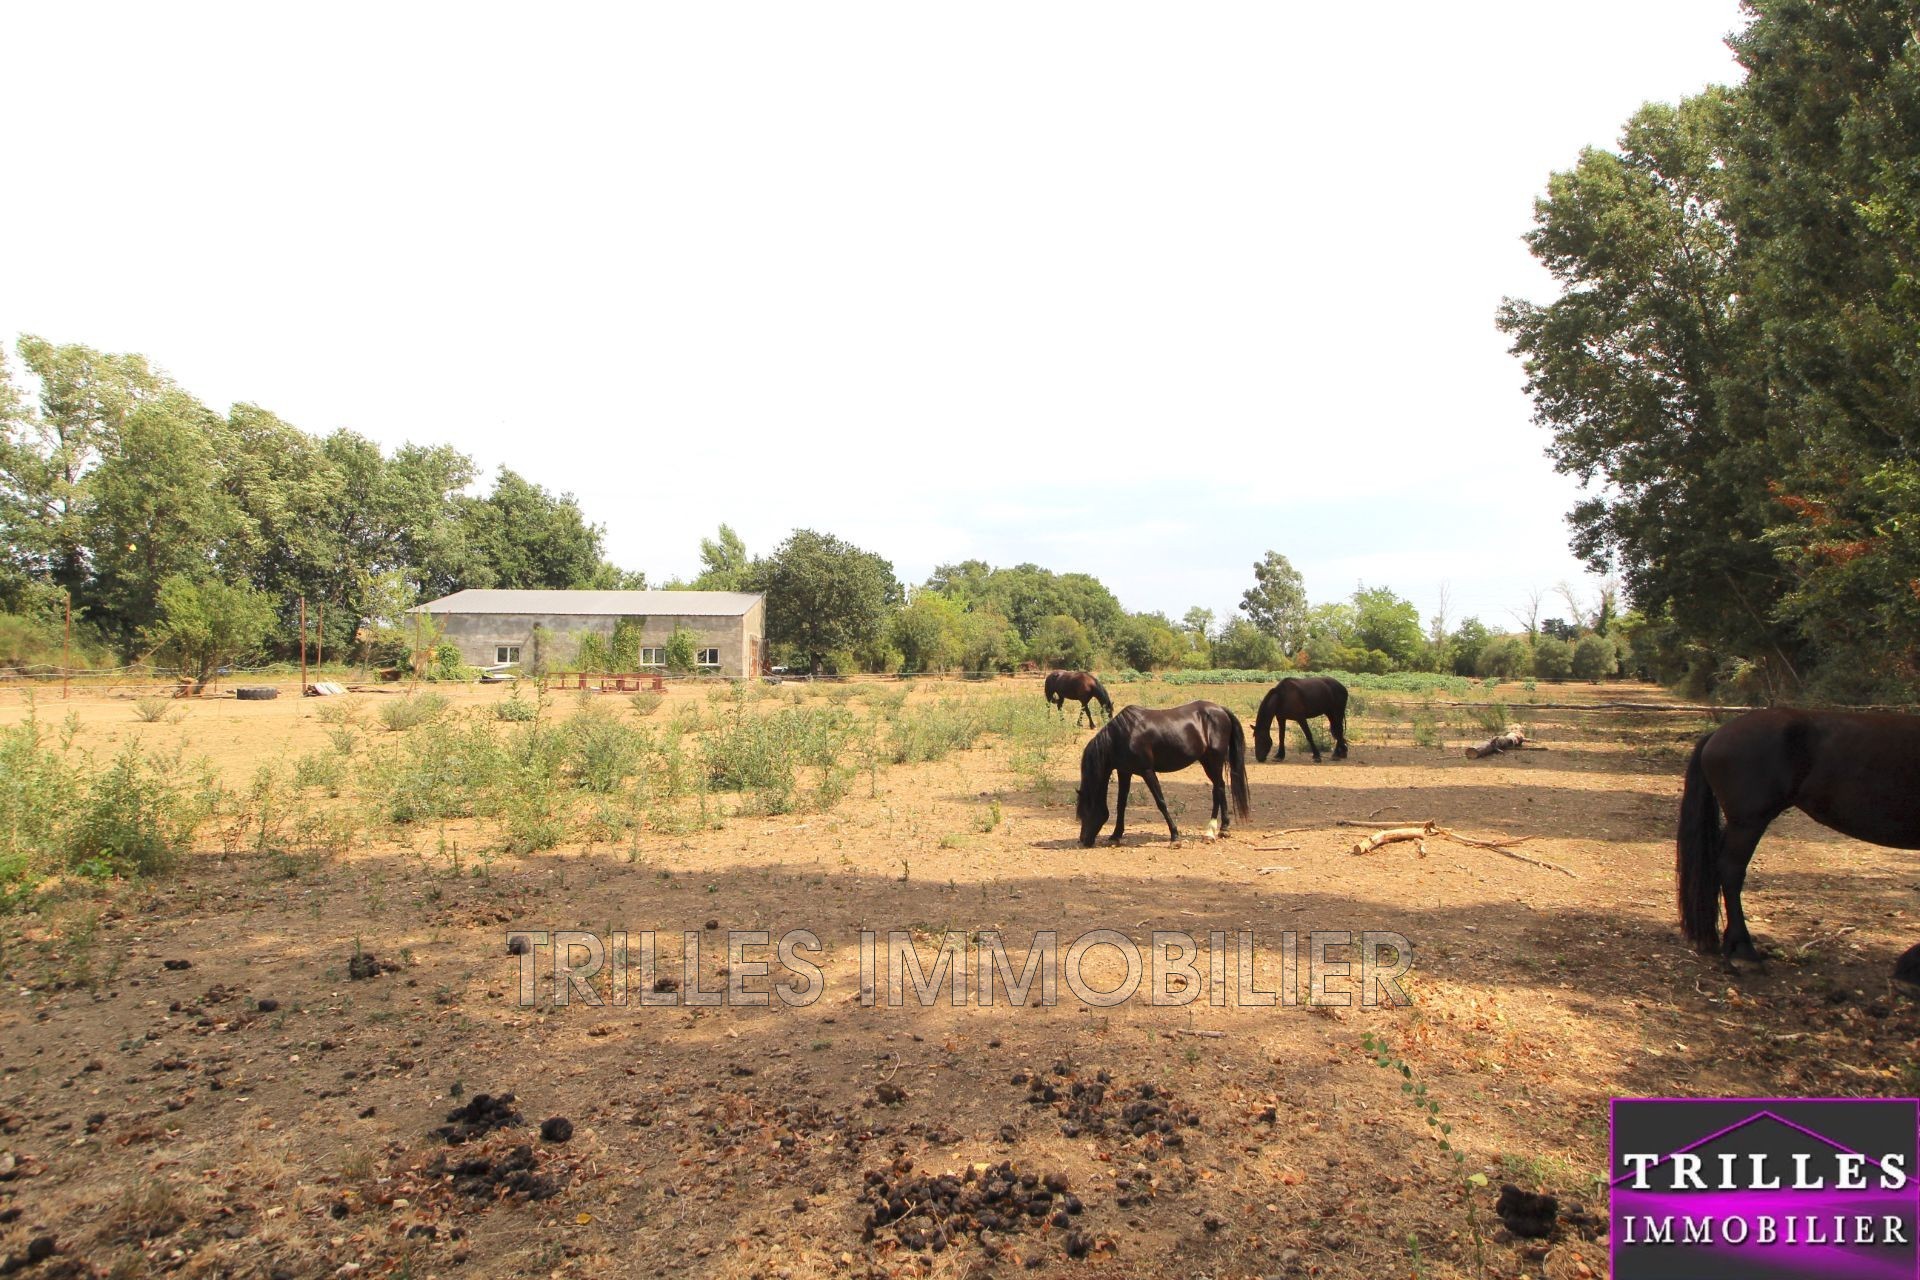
[(1765, 1189)]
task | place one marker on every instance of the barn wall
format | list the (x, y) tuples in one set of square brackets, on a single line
[(476, 635)]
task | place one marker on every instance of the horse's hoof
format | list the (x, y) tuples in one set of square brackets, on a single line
[(1745, 950), (1113, 839)]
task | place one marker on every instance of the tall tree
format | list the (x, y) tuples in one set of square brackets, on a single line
[(85, 397), (156, 508), (824, 594), (526, 537), (723, 562), (1642, 370), (1277, 601)]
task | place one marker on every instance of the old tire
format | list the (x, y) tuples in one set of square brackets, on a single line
[(256, 693)]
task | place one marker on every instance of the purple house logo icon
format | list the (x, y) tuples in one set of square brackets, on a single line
[(1765, 1189)]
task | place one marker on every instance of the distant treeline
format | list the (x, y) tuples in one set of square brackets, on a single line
[(189, 536), (1734, 359)]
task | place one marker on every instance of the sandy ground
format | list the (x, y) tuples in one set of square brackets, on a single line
[(263, 1112)]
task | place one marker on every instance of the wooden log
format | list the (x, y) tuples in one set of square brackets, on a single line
[(1393, 834), (1511, 740)]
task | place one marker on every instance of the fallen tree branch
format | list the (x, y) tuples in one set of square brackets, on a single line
[(1512, 740), (1421, 833), (1392, 835), (1189, 1031)]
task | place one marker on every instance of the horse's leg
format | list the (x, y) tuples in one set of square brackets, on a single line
[(1311, 744), (1120, 819), (1337, 724), (1736, 851), (1153, 785), (1217, 775), (1086, 709)]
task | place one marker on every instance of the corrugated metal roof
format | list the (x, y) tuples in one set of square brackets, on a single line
[(627, 604)]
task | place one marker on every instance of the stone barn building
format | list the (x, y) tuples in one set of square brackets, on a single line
[(494, 627)]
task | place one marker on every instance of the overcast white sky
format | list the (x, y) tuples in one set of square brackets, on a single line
[(1137, 290)]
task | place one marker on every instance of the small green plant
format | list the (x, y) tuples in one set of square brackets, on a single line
[(991, 821), (1416, 1092), (516, 709), (647, 703), (412, 711), (339, 711), (152, 710), (1491, 716)]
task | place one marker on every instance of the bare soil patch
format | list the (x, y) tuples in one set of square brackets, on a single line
[(269, 1111)]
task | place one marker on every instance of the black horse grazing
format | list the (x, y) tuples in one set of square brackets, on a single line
[(1149, 742), (1301, 698), (1082, 688), (1856, 772)]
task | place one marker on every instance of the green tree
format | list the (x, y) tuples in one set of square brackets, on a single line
[(1552, 658), (1061, 641), (1594, 657), (527, 537), (85, 397), (1199, 621), (204, 624), (988, 642), (724, 565), (1465, 644), (1642, 372), (1329, 627), (1504, 657), (928, 632), (1241, 646), (1149, 642), (1386, 622), (824, 594), (156, 509), (1277, 601)]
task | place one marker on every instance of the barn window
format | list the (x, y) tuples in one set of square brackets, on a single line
[(506, 653), (653, 657), (708, 658)]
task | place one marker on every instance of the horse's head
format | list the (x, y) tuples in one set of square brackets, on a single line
[(1262, 741), (1092, 808)]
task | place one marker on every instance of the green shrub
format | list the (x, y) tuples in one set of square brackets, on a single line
[(936, 731), (1505, 657), (449, 666), (59, 813), (602, 750), (647, 703), (412, 711), (1552, 658), (445, 770), (516, 709), (1595, 658), (152, 710)]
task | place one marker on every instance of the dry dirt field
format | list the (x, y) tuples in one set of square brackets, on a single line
[(264, 1112)]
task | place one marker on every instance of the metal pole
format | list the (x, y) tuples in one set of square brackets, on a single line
[(320, 638), (303, 646), (66, 651)]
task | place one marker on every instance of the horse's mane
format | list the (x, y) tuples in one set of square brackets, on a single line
[(1093, 772), (1100, 692), (1269, 705)]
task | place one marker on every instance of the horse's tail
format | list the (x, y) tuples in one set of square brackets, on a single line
[(1237, 766), (1697, 856), (1100, 692)]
